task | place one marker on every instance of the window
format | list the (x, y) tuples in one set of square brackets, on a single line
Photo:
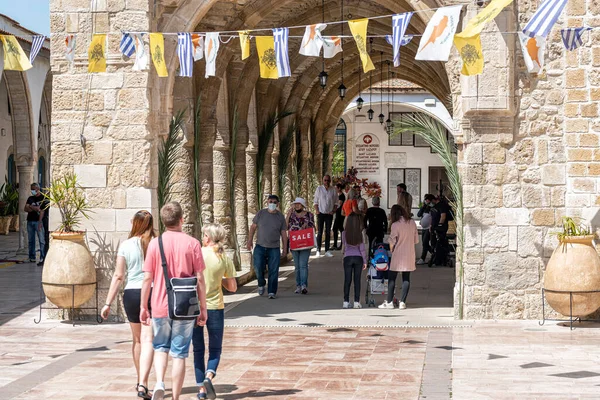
[(339, 149), (411, 177), (42, 172), (11, 168)]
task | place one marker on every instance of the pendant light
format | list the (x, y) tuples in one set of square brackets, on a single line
[(359, 101), (392, 103), (342, 88), (323, 75), (381, 116), (388, 122), (370, 113)]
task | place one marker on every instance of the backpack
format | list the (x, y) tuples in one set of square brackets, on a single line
[(380, 258)]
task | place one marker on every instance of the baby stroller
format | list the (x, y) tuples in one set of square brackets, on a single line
[(377, 271)]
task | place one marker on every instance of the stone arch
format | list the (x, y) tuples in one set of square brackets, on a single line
[(20, 103)]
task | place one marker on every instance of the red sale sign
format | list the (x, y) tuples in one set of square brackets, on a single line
[(302, 240)]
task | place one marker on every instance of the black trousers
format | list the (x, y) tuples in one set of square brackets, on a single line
[(338, 228), (392, 275), (425, 236), (375, 235), (324, 220), (440, 246), (352, 270)]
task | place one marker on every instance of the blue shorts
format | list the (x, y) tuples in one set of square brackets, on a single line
[(173, 336)]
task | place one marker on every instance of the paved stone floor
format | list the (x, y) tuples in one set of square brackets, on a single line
[(273, 351)]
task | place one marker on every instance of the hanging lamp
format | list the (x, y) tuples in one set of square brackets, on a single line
[(342, 88), (370, 113), (388, 121), (359, 101), (323, 75), (381, 116)]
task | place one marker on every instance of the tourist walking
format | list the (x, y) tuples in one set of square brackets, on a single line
[(299, 218), (425, 215), (351, 204), (355, 258), (219, 273), (35, 209), (338, 223), (403, 237), (130, 260), (404, 198), (325, 203), (440, 215), (183, 259), (376, 222), (272, 230)]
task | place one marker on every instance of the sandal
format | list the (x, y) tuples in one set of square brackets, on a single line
[(144, 392), (201, 395), (210, 389)]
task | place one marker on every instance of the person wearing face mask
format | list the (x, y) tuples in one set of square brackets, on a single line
[(299, 218), (272, 227), (425, 215), (34, 208), (325, 203)]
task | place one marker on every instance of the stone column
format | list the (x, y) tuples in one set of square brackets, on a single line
[(25, 181), (242, 199)]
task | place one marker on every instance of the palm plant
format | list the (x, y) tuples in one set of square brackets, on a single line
[(434, 133), (573, 226), (297, 165), (168, 154), (325, 158), (283, 159), (231, 173), (65, 194), (337, 164), (196, 160), (264, 139)]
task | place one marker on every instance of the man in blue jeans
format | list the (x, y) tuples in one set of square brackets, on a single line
[(34, 207), (272, 227)]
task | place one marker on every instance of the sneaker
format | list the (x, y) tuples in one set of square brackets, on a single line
[(41, 263), (261, 290), (357, 305), (386, 305), (328, 254), (298, 290), (304, 290), (210, 390), (272, 295), (346, 305), (159, 391), (402, 306), (421, 261), (318, 254), (32, 260)]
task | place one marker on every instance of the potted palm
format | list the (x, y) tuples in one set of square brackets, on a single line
[(5, 209), (12, 198), (69, 275), (574, 267)]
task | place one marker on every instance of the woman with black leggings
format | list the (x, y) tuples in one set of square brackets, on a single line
[(403, 237)]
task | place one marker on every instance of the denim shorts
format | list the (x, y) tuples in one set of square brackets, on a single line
[(173, 336)]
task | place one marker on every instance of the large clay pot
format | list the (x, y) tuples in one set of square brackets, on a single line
[(5, 224), (14, 223), (574, 266), (68, 261)]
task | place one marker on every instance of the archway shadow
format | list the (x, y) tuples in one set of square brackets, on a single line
[(226, 392)]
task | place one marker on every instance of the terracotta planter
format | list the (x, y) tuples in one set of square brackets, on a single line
[(574, 266), (5, 224), (14, 224), (68, 261)]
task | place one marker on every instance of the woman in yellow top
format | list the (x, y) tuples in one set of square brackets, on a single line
[(219, 273)]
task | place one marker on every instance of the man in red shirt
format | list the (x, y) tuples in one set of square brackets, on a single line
[(183, 254)]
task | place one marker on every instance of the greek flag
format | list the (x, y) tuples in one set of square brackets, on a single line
[(572, 37), (185, 52), (127, 46), (405, 40), (399, 24), (280, 36), (36, 45), (544, 18)]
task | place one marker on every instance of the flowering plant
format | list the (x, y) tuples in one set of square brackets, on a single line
[(372, 189)]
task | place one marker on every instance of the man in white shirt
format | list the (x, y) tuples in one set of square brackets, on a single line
[(325, 206)]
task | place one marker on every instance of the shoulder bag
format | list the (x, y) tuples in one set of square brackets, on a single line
[(182, 293)]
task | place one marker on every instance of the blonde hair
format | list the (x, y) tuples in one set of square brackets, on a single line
[(216, 233)]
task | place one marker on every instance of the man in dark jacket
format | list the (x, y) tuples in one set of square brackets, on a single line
[(425, 216), (376, 222), (440, 214)]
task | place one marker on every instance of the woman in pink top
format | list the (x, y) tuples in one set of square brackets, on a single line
[(403, 238)]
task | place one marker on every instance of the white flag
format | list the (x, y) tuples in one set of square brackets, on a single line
[(141, 55), (312, 40), (533, 52), (211, 49), (70, 48), (436, 41), (198, 43), (331, 46)]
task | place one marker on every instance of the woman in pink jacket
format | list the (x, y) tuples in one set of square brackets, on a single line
[(403, 237)]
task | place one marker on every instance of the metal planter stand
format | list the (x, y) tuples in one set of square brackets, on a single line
[(72, 308), (571, 318)]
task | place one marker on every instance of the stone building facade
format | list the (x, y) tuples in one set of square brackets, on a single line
[(527, 143)]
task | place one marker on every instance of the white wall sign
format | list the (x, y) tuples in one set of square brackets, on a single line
[(367, 154), (394, 160)]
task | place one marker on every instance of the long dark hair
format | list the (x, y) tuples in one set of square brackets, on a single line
[(399, 212), (143, 226), (353, 229)]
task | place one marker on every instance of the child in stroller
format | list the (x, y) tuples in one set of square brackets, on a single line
[(379, 265)]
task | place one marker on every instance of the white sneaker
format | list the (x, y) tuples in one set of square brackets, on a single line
[(402, 306), (159, 391), (328, 254), (420, 262), (357, 305), (346, 305), (386, 305), (318, 254), (298, 290)]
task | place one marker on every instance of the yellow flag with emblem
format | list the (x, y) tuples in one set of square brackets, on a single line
[(96, 54), (358, 28), (265, 46), (14, 56), (157, 49), (245, 43), (477, 23), (469, 49)]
